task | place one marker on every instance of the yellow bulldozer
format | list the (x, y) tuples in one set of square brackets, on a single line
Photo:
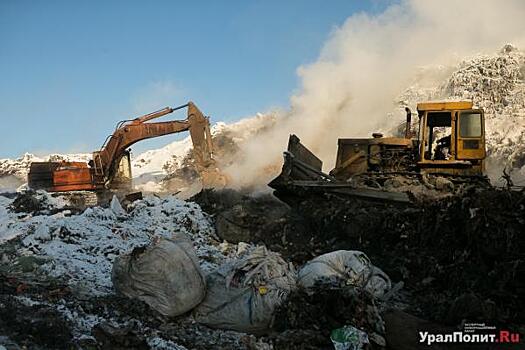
[(447, 145)]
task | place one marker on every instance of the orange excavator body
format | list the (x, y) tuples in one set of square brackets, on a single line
[(110, 167)]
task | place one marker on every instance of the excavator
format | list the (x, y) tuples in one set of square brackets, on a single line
[(110, 167), (446, 153)]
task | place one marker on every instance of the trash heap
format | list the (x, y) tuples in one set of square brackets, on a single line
[(461, 256), (153, 275), (58, 264), (339, 292), (458, 257)]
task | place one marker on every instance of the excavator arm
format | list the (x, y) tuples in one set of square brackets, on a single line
[(106, 161)]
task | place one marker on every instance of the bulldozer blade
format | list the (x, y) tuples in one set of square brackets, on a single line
[(302, 175)]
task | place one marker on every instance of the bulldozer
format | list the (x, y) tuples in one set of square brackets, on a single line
[(109, 170), (445, 152)]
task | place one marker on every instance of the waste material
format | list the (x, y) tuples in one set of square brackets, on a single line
[(165, 275), (244, 294), (353, 267), (316, 311), (349, 338)]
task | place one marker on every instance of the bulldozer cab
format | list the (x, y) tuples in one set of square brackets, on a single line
[(451, 138)]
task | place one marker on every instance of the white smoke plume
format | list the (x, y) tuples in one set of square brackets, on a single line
[(366, 63)]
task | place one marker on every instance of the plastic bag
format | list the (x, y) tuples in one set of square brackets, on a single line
[(352, 266), (243, 294), (348, 338), (166, 275)]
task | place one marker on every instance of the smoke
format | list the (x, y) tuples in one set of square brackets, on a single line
[(366, 63)]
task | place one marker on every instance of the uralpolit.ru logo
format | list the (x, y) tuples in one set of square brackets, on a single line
[(503, 336)]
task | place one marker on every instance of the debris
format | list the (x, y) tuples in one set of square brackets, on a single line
[(243, 294), (349, 338), (111, 337), (326, 306), (165, 275), (352, 267), (29, 325), (402, 330), (117, 207)]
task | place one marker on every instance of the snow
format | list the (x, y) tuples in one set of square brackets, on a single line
[(80, 249), (157, 343)]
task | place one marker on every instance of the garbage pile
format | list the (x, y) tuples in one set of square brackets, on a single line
[(242, 216), (244, 294), (336, 300), (57, 263), (458, 257), (165, 275), (153, 275), (461, 255)]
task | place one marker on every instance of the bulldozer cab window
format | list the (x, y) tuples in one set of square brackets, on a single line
[(470, 124), (438, 135)]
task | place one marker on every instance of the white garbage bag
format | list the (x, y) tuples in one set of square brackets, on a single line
[(243, 294), (165, 275), (352, 266)]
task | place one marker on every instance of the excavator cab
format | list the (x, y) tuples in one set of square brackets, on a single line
[(122, 180), (451, 138)]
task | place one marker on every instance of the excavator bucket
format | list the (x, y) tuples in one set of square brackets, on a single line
[(200, 135)]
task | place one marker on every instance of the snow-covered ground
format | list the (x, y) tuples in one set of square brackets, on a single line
[(81, 248)]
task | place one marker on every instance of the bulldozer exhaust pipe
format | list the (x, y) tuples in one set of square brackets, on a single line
[(408, 129)]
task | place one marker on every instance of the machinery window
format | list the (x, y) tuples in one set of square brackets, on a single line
[(470, 124), (439, 129)]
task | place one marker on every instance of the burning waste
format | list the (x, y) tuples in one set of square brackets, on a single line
[(409, 236)]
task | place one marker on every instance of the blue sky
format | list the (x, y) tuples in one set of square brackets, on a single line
[(71, 69)]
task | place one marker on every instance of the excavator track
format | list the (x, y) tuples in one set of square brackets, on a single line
[(79, 199)]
